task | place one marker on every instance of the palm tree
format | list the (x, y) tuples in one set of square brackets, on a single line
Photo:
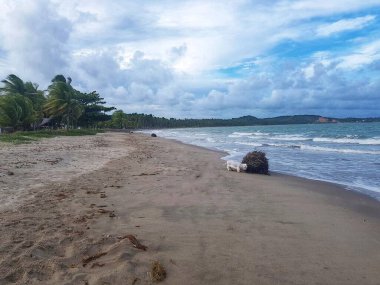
[(38, 99), (16, 111), (62, 101), (30, 102), (13, 85)]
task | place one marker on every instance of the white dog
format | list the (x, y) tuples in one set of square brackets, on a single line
[(235, 165)]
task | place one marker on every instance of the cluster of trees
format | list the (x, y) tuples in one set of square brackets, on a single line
[(23, 106), (121, 120)]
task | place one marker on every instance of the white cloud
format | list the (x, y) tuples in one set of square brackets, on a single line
[(364, 55), (344, 25), (328, 91), (34, 37), (196, 14), (161, 56)]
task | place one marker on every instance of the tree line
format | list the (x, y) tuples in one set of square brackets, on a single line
[(122, 120), (23, 106)]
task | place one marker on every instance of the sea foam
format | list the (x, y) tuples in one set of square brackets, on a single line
[(371, 141)]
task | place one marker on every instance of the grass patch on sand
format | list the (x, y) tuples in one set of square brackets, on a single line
[(27, 137)]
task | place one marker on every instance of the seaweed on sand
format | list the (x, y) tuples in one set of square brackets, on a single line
[(158, 272), (256, 162)]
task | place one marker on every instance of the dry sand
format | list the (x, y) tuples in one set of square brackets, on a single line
[(82, 203)]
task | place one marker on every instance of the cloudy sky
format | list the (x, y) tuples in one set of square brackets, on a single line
[(203, 58)]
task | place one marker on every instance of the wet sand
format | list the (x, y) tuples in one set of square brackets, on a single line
[(205, 225)]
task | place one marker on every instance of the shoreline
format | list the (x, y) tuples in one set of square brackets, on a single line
[(334, 189), (361, 193), (204, 224)]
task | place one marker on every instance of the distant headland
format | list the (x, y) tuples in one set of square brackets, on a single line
[(143, 121)]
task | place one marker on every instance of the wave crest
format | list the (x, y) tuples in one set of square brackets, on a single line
[(372, 141)]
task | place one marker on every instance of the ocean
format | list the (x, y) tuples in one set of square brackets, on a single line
[(347, 154)]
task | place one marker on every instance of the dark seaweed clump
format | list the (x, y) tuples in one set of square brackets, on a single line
[(256, 162)]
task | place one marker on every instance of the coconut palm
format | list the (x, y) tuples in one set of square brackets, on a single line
[(60, 78), (31, 105), (13, 85), (16, 111), (62, 102), (38, 99)]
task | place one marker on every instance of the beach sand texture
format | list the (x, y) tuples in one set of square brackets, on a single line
[(85, 207)]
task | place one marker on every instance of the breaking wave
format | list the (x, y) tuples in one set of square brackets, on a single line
[(341, 150), (371, 141)]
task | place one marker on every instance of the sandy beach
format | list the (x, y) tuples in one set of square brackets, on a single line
[(71, 208)]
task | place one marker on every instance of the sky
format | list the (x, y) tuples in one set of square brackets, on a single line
[(202, 59)]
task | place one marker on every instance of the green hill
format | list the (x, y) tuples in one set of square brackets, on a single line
[(143, 121)]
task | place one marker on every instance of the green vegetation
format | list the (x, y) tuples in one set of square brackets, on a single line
[(16, 111), (359, 120), (24, 107), (62, 102), (94, 110), (26, 137), (143, 121), (20, 104)]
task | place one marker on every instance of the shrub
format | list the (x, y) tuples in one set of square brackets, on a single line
[(256, 162)]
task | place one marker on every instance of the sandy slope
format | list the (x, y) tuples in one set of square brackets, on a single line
[(52, 161), (204, 224)]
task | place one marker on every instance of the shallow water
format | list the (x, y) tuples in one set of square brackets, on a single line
[(347, 154)]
